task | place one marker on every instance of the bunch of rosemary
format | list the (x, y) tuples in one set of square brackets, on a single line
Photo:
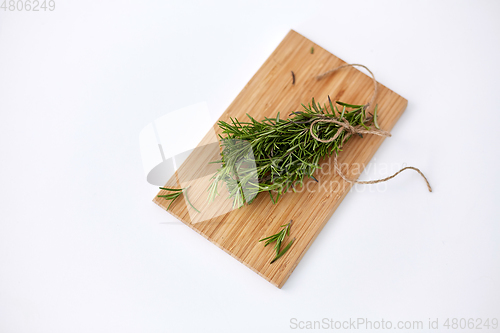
[(275, 155)]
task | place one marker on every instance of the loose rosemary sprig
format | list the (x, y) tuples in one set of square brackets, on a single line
[(176, 193), (275, 155), (278, 238), (282, 252)]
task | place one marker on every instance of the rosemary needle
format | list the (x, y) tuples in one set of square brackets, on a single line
[(175, 195), (375, 118)]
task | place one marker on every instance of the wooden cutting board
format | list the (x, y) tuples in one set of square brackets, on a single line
[(270, 91)]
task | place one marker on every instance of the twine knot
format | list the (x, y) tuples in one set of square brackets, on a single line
[(344, 126)]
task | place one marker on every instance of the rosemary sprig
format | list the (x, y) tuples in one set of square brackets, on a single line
[(275, 155), (278, 238), (176, 193), (283, 251)]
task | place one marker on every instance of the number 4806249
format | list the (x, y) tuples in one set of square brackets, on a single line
[(28, 5)]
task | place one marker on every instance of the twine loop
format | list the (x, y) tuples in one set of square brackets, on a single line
[(344, 126)]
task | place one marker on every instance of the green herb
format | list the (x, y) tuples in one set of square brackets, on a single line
[(176, 193), (312, 49), (275, 155), (283, 251), (375, 118), (278, 238)]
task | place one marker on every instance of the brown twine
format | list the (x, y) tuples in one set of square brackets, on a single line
[(375, 85), (344, 126), (337, 169)]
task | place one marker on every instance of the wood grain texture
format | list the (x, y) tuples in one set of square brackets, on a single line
[(270, 90)]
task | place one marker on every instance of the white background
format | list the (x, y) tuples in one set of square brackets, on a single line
[(83, 248)]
